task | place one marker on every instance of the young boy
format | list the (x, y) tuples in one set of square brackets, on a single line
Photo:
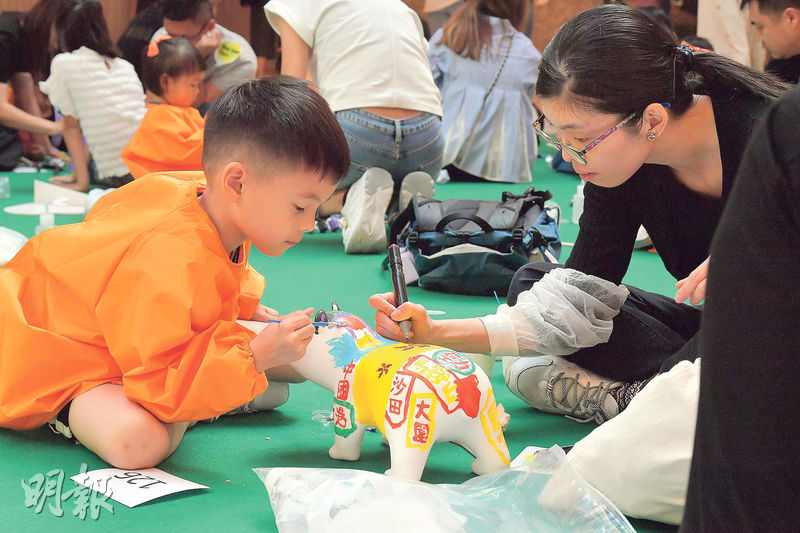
[(124, 326)]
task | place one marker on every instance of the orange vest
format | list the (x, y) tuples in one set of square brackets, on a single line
[(141, 293), (169, 138)]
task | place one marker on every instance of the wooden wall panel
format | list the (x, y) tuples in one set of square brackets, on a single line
[(117, 12)]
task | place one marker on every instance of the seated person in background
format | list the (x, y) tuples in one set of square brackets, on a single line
[(487, 77), (380, 86), (99, 95), (437, 12), (778, 26), (121, 330), (20, 47), (170, 136), (229, 57)]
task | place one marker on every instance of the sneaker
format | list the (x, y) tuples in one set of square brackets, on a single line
[(554, 385), (277, 394), (415, 184), (643, 241), (364, 227)]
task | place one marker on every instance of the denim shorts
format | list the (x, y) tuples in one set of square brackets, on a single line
[(398, 146)]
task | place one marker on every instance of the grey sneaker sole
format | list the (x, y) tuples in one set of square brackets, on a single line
[(376, 179), (415, 184)]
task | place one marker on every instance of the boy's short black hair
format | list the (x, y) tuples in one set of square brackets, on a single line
[(278, 119), (197, 10), (176, 56)]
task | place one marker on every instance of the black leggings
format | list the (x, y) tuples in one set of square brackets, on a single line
[(652, 332)]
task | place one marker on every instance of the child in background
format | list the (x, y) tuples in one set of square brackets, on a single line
[(170, 136), (99, 95), (121, 330), (486, 71)]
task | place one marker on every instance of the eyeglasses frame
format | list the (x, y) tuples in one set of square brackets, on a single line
[(577, 155)]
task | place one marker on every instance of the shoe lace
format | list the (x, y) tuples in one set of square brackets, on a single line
[(589, 403)]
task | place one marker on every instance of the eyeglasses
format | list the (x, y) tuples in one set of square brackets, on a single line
[(191, 38), (577, 155), (195, 37)]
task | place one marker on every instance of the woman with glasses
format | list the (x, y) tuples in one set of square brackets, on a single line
[(656, 130)]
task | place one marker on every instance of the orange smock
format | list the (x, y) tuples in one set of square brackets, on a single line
[(169, 138), (141, 293)]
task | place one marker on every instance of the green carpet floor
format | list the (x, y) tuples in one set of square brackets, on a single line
[(221, 455)]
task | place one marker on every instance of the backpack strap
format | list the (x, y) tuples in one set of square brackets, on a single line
[(423, 210), (530, 195), (398, 224), (506, 214), (442, 225)]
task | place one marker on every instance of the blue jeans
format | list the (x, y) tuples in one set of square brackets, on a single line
[(398, 146)]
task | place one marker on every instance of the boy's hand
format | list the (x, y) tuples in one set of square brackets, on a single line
[(284, 342), (387, 316), (264, 313)]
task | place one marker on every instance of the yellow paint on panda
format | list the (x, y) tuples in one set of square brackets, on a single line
[(421, 425), (492, 428), (371, 384), (227, 52)]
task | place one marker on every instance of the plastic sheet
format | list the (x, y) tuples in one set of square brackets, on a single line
[(10, 243), (543, 494), (564, 311)]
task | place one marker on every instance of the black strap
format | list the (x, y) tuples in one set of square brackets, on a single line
[(485, 226), (530, 193), (400, 221)]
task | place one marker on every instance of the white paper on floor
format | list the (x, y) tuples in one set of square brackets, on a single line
[(134, 487)]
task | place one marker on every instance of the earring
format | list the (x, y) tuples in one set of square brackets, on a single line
[(651, 136)]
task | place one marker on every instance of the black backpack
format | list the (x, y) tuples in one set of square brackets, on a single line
[(476, 246)]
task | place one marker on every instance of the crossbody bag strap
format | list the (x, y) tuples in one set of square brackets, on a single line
[(499, 70)]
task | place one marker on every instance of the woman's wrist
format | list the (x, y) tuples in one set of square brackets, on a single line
[(438, 334), (464, 334)]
